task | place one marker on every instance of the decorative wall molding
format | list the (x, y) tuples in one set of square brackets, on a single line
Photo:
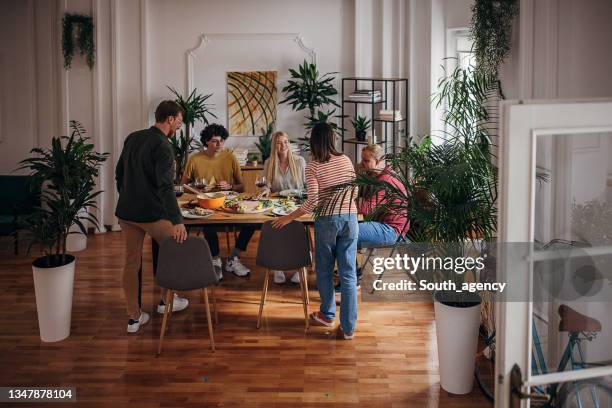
[(32, 71), (116, 142), (206, 39), (552, 50), (144, 74), (526, 48), (63, 95), (2, 93)]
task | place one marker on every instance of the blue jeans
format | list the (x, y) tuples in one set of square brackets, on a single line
[(376, 233), (336, 240)]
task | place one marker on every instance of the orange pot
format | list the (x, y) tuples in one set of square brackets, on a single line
[(211, 200)]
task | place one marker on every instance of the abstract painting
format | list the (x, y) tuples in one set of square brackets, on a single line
[(251, 102)]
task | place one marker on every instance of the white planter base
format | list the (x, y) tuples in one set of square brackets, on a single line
[(53, 287), (457, 335), (76, 242)]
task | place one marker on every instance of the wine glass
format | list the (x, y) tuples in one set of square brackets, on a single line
[(178, 191), (260, 183), (200, 183)]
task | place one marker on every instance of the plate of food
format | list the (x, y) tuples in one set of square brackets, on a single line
[(283, 210), (196, 213), (247, 206), (292, 193)]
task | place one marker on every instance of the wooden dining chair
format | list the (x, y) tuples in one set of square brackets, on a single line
[(274, 253), (184, 267)]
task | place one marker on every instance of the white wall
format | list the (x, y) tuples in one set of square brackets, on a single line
[(175, 27)]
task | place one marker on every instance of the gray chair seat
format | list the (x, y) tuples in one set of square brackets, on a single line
[(284, 249), (183, 267)]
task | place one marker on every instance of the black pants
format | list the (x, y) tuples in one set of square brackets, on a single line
[(245, 235)]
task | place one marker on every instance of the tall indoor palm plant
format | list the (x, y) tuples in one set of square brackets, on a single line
[(309, 90), (195, 110), (65, 175)]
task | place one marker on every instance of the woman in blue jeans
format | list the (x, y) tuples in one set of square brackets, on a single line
[(336, 230)]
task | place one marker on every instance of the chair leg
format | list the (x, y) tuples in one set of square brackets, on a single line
[(306, 285), (311, 240), (164, 321), (235, 234), (171, 303), (214, 299), (264, 292), (227, 240), (208, 320), (304, 295)]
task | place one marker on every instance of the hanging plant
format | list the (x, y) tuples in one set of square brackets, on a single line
[(77, 34), (491, 30)]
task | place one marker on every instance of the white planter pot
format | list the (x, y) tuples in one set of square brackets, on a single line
[(77, 242), (53, 287), (457, 335)]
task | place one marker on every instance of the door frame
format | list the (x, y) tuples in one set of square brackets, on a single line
[(521, 123)]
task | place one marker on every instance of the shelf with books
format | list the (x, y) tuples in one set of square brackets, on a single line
[(388, 101)]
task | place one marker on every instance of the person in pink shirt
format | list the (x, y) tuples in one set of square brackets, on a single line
[(389, 226)]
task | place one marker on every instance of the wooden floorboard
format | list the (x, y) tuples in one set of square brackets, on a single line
[(392, 361)]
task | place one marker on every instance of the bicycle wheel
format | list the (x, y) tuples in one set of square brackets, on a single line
[(584, 394), (484, 371)]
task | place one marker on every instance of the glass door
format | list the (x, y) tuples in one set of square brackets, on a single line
[(554, 345)]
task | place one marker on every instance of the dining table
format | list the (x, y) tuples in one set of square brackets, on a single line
[(225, 219)]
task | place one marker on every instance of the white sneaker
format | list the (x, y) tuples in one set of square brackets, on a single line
[(295, 278), (178, 304), (279, 277), (236, 267), (134, 325), (216, 261)]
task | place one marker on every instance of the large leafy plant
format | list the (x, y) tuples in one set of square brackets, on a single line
[(65, 176), (195, 109), (309, 90), (264, 143)]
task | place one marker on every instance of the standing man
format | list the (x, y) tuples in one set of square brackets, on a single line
[(147, 203)]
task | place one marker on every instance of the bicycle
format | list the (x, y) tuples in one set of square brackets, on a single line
[(592, 392)]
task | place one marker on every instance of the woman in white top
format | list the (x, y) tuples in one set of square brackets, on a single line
[(283, 171)]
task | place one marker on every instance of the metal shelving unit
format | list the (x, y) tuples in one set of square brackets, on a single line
[(391, 89)]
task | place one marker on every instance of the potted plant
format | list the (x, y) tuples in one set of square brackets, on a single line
[(451, 191), (264, 143), (309, 90), (65, 176), (252, 159), (195, 109), (361, 125)]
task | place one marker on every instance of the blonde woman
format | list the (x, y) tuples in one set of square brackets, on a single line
[(283, 171)]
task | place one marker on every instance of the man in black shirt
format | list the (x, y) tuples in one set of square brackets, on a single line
[(147, 203)]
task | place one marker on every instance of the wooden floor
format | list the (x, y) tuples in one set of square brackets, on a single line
[(392, 361)]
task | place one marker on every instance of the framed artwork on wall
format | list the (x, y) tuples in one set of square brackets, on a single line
[(251, 102)]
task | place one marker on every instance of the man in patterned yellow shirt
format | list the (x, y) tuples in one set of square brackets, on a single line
[(220, 169)]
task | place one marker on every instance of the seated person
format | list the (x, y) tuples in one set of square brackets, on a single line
[(283, 171), (221, 170), (388, 227)]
